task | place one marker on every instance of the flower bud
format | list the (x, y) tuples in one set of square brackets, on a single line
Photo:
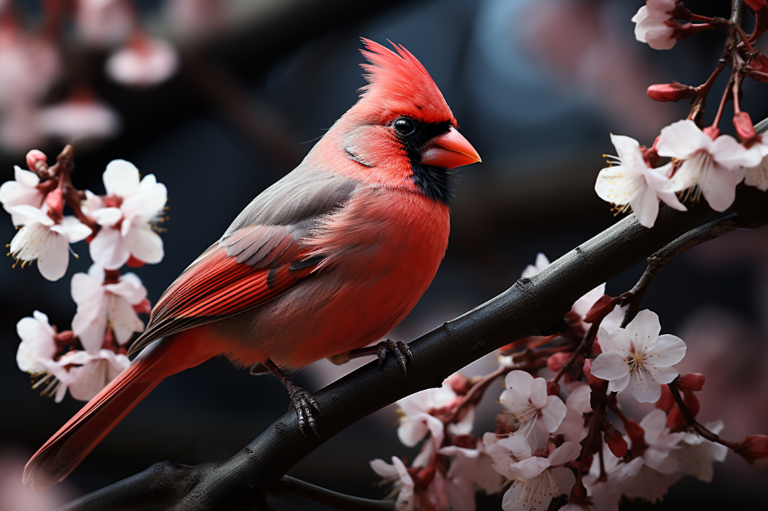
[(754, 449), (670, 92), (55, 201), (744, 127), (616, 443), (666, 402), (635, 431), (556, 361), (691, 381), (459, 383), (600, 309), (37, 161), (759, 63)]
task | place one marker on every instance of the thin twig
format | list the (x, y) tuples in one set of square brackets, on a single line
[(692, 422), (331, 498)]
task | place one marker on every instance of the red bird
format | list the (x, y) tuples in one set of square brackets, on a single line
[(321, 264)]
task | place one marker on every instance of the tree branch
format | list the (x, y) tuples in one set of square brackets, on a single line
[(331, 498), (531, 306)]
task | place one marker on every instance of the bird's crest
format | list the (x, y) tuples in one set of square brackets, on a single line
[(398, 83)]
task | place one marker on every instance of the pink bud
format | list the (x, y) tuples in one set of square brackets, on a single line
[(754, 449), (744, 127), (600, 309), (55, 201), (459, 383), (670, 91), (556, 361), (553, 389), (616, 443), (691, 381), (592, 380), (759, 63), (37, 161), (755, 5), (711, 132)]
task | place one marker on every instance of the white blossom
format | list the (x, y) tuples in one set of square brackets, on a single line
[(79, 118), (470, 469), (631, 183), (758, 176), (126, 217), (650, 26), (696, 454), (577, 404), (638, 357), (714, 166), (22, 190), (418, 420), (37, 347), (85, 373), (46, 241), (100, 306)]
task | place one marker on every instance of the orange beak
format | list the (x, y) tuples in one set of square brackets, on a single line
[(450, 151)]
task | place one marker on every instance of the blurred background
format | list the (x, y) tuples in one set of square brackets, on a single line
[(232, 94)]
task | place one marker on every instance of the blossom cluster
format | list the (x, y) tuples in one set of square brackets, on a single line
[(120, 229), (553, 439), (702, 161), (32, 63)]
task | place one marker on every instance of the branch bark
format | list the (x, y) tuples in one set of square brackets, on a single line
[(532, 306)]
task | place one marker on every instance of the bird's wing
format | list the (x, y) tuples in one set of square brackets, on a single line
[(254, 262)]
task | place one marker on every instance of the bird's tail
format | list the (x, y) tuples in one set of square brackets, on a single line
[(67, 448)]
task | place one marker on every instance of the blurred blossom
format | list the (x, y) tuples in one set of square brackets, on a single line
[(196, 17), (697, 454), (28, 67), (758, 176), (81, 117), (37, 346), (143, 62), (15, 496), (20, 128), (101, 304), (126, 215), (577, 404), (652, 27), (22, 190), (104, 23)]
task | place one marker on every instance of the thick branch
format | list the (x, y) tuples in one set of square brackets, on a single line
[(531, 306)]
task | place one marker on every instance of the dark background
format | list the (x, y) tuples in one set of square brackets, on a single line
[(536, 86)]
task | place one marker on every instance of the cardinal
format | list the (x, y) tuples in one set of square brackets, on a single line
[(320, 265)]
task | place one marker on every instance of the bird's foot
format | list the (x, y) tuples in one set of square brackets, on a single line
[(303, 402), (400, 349)]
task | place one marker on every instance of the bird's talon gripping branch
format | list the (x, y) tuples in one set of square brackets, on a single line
[(398, 348), (303, 402)]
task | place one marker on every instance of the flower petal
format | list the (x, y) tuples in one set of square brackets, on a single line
[(668, 351), (108, 249), (681, 139), (552, 414), (610, 366), (53, 264), (144, 243), (121, 178), (644, 387)]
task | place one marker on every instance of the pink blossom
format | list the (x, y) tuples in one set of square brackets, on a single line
[(22, 190), (126, 216), (651, 27), (85, 373), (577, 404), (631, 183), (143, 62), (104, 23), (37, 346), (46, 241), (196, 17), (28, 67), (638, 357), (419, 418), (536, 480), (606, 494), (470, 469), (714, 166), (697, 454), (526, 400), (79, 118), (100, 305), (427, 489)]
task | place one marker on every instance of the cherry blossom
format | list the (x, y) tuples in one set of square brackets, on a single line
[(81, 117), (23, 190), (526, 400), (84, 373), (536, 480), (696, 453), (638, 357), (46, 241), (714, 166), (633, 184), (126, 215), (28, 67), (426, 489), (661, 467), (419, 416), (143, 62), (100, 304), (104, 23), (652, 26), (470, 469), (758, 176), (37, 346), (577, 404), (606, 494)]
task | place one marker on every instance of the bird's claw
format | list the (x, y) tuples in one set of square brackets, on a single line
[(398, 348), (303, 402)]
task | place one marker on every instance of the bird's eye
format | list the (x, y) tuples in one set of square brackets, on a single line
[(405, 126)]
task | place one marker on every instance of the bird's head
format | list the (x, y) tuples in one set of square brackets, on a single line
[(401, 132)]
